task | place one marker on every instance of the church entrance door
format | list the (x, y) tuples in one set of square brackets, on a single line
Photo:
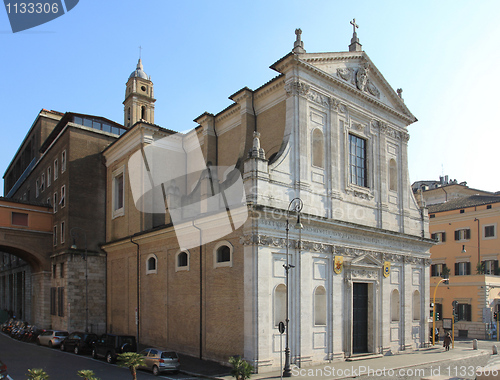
[(360, 318)]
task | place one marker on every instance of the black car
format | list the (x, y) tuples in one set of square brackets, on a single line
[(109, 346), (79, 342)]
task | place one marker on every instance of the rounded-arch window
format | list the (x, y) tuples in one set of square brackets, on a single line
[(317, 148), (416, 305), (151, 264), (223, 254), (395, 305), (279, 304), (182, 261), (320, 306)]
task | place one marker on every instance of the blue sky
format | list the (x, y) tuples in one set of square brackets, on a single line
[(442, 53)]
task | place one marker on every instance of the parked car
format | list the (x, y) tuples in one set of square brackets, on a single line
[(160, 361), (79, 342), (109, 346), (52, 338), (3, 371)]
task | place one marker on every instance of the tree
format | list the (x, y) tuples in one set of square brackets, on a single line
[(131, 360), (87, 374), (37, 374), (241, 369)]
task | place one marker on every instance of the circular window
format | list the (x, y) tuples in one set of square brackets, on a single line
[(143, 88)]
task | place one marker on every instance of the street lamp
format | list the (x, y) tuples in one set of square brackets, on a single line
[(74, 235), (297, 207), (434, 309)]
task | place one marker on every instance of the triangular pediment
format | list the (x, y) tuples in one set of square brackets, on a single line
[(366, 260), (355, 71)]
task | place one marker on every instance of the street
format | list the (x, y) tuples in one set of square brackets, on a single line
[(21, 356)]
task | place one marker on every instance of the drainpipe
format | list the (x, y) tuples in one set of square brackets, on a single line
[(478, 241), (137, 313)]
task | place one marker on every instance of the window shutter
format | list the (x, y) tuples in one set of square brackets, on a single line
[(468, 309), (467, 234), (433, 236), (457, 270), (443, 236), (495, 266), (433, 270), (468, 268), (457, 235)]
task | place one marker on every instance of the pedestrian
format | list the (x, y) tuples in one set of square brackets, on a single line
[(447, 341), (436, 333)]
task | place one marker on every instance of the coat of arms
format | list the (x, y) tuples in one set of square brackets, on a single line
[(387, 268), (339, 264)]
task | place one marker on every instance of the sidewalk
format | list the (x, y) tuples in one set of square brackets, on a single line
[(386, 366)]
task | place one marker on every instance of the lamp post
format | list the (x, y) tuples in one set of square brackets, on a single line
[(434, 310), (297, 207), (74, 235)]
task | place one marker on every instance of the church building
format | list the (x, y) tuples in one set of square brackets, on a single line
[(323, 146)]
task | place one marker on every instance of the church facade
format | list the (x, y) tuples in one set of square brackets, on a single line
[(325, 139)]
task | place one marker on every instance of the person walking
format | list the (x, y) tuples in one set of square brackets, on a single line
[(447, 341)]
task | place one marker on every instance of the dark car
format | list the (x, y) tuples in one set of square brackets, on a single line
[(160, 361), (79, 342), (109, 346), (3, 371)]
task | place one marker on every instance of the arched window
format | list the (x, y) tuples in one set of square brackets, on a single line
[(318, 148), (393, 175), (151, 264), (143, 112), (182, 261), (320, 306), (416, 305), (279, 304), (395, 305), (223, 254)]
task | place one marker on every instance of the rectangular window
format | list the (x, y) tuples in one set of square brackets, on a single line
[(19, 219), (37, 188), (440, 237), (54, 271), (489, 231), (61, 270), (462, 269), (490, 267), (56, 169), (63, 161), (437, 270), (62, 201), (118, 192), (60, 302), (54, 206), (462, 234), (464, 312), (49, 176), (62, 232), (54, 236), (357, 160), (53, 304), (42, 182)]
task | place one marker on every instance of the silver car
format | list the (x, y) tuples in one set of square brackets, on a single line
[(51, 338), (160, 361)]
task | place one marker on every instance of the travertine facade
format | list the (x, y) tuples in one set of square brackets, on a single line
[(328, 130)]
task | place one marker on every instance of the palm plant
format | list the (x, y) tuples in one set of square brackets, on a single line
[(131, 360), (241, 369), (37, 374), (87, 374)]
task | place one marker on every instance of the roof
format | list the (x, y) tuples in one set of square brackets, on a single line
[(139, 72), (459, 203)]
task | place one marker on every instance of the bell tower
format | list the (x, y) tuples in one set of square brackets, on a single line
[(139, 98)]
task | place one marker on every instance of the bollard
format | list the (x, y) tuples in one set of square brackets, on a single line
[(474, 344), (495, 351)]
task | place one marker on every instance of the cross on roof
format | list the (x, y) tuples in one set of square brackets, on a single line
[(354, 25), (140, 51)]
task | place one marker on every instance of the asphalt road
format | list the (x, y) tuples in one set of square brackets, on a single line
[(21, 356)]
